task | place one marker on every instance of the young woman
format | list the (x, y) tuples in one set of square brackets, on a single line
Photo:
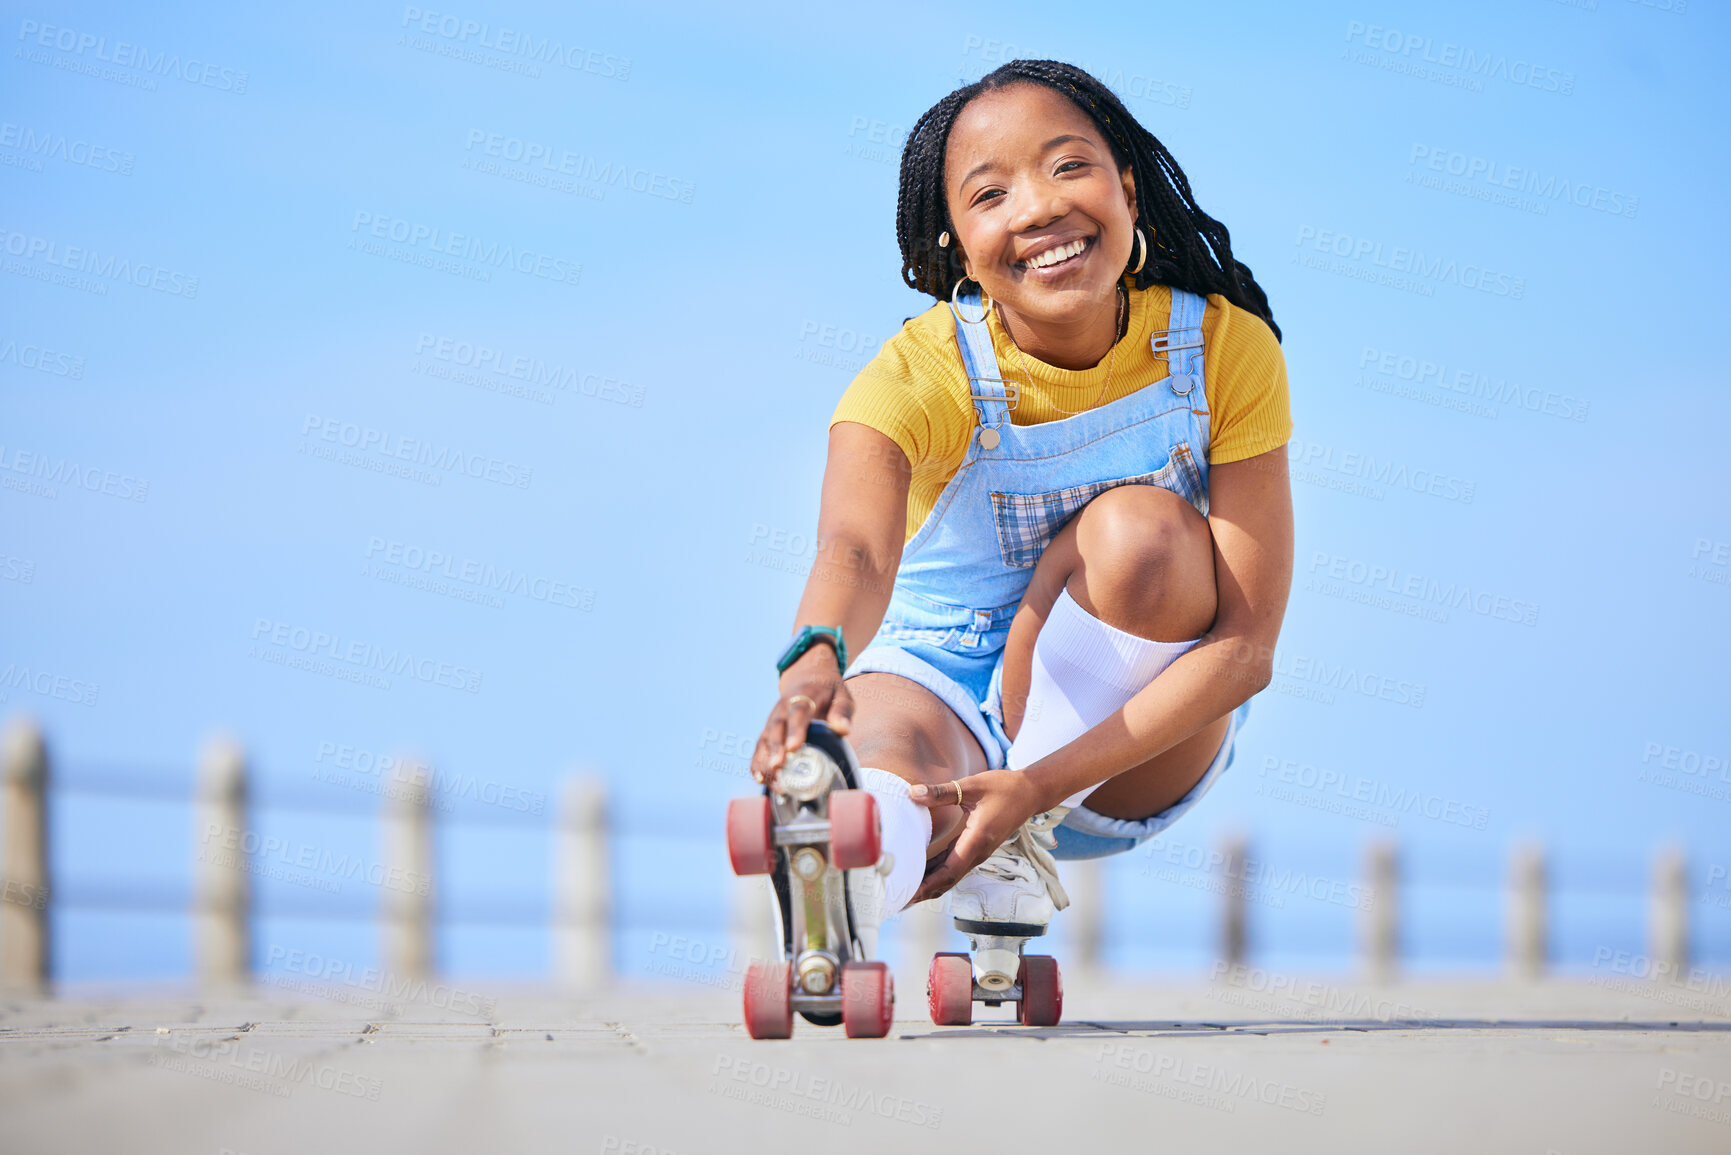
[(1056, 505)]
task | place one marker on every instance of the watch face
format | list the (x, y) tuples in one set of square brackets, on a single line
[(802, 642)]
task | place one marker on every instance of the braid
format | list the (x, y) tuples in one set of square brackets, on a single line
[(920, 211), (1190, 250)]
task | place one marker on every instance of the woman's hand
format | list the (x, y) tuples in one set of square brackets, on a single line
[(996, 803), (810, 688)]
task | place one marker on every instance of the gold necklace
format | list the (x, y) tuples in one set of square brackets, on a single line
[(1117, 330)]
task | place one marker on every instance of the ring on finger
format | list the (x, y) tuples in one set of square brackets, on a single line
[(809, 704)]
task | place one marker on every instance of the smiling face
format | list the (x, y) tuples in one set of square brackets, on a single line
[(1040, 208)]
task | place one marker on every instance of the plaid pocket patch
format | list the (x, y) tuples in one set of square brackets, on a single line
[(1027, 522)]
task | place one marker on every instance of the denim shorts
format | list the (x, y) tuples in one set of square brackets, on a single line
[(972, 687)]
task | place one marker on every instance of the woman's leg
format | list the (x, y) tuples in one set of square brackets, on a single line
[(1141, 559), (903, 728)]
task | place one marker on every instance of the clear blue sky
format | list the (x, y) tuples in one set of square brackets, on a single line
[(1476, 223)]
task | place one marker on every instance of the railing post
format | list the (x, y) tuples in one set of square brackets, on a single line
[(1381, 921), (1085, 883), (582, 886), (1668, 922), (1528, 927), (755, 925), (924, 928), (222, 933), (406, 904), (24, 942), (1235, 916)]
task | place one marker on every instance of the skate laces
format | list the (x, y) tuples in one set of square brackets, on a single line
[(1024, 859)]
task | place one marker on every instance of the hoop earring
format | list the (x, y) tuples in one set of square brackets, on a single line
[(985, 303), (1141, 253)]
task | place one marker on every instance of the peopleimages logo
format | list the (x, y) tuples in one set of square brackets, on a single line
[(1308, 457), (109, 267), (1497, 177), (1411, 264), (266, 855), (1472, 383), (531, 370), (1404, 583), (48, 684), (801, 1093), (125, 55), (443, 784), (64, 471), (48, 146), (434, 240), (391, 987), (384, 443), (514, 42), (1357, 788), (1317, 678), (1411, 52), (479, 574), (563, 162), (1254, 875), (363, 657), (1231, 1087), (41, 359)]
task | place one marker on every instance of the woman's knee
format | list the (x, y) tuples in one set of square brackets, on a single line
[(901, 727), (1146, 563)]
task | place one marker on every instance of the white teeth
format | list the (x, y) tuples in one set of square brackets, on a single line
[(1053, 256)]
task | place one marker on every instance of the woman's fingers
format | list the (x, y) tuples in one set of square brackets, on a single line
[(786, 729), (766, 757), (840, 717), (800, 708), (936, 794), (969, 850), (940, 876)]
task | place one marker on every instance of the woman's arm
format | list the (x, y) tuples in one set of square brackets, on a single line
[(861, 524), (1250, 515)]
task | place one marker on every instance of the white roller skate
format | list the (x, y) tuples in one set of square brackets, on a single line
[(818, 837), (1001, 904)]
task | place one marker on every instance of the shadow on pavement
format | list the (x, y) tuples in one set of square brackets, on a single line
[(1084, 1029)]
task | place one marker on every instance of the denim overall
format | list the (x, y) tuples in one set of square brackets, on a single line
[(962, 576)]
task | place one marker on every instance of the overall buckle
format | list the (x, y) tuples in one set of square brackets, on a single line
[(1165, 342), (1012, 391)]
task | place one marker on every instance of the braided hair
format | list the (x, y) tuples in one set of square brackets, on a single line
[(1190, 250)]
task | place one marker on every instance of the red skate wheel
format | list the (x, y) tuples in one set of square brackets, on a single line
[(769, 1000), (855, 837), (868, 999), (748, 838), (950, 989), (1042, 1002)]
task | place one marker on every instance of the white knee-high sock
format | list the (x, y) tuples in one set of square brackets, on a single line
[(1083, 671), (907, 831)]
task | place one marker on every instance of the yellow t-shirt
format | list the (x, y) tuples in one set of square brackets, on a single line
[(915, 391)]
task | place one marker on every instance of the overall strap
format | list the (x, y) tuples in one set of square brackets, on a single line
[(1183, 351), (985, 385), (1181, 345)]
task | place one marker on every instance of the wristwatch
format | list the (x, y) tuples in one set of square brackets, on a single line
[(802, 642)]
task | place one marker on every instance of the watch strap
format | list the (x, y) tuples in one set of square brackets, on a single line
[(804, 640)]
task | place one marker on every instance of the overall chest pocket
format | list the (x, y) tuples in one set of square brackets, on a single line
[(1027, 522)]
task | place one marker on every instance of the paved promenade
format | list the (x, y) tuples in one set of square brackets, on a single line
[(1568, 1067)]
